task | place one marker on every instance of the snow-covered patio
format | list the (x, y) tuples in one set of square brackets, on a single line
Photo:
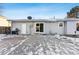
[(38, 45)]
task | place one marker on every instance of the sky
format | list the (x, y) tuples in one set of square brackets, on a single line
[(37, 10)]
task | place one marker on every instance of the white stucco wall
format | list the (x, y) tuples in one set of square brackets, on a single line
[(60, 29), (22, 26), (29, 28), (49, 28), (52, 28), (16, 25), (71, 27), (65, 27)]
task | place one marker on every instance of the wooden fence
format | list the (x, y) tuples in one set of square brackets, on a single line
[(4, 30)]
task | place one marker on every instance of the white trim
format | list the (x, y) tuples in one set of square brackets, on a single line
[(43, 28)]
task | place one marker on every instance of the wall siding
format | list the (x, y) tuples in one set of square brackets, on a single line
[(53, 28), (49, 28), (71, 27)]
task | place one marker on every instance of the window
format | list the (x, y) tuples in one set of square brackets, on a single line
[(37, 24), (77, 26), (39, 27), (60, 25)]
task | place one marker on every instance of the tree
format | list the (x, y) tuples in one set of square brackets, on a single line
[(29, 17)]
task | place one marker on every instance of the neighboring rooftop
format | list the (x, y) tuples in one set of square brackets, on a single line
[(4, 22)]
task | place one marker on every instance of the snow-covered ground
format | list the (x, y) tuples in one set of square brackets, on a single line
[(9, 41), (39, 45)]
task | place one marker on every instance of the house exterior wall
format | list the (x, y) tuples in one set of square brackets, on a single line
[(61, 29), (16, 25), (49, 27), (53, 28), (65, 27), (71, 27), (24, 27)]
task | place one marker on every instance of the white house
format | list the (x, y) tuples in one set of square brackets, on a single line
[(69, 26)]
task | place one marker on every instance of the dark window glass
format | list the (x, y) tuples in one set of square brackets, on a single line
[(37, 27), (37, 24), (41, 27), (37, 30)]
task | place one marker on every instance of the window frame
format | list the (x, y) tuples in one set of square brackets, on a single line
[(60, 24), (38, 27)]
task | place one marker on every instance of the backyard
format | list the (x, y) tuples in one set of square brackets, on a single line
[(38, 45)]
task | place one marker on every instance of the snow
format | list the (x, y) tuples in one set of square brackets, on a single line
[(41, 45), (1, 36), (13, 48), (9, 43), (4, 36)]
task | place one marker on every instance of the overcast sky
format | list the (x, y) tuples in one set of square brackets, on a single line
[(37, 10)]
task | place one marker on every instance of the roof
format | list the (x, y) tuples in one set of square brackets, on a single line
[(71, 19), (45, 20), (34, 20)]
